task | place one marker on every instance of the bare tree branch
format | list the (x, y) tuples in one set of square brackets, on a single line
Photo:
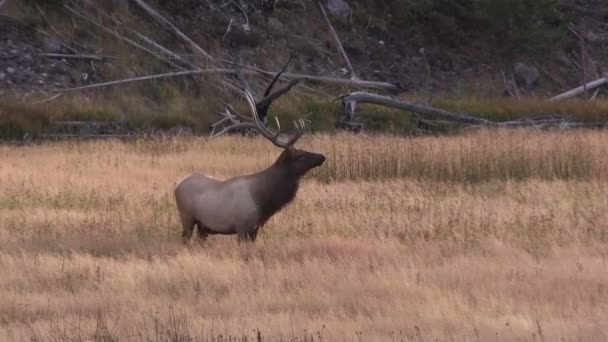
[(300, 77), (166, 51), (172, 28), (120, 37), (353, 75), (148, 78), (579, 90), (68, 56)]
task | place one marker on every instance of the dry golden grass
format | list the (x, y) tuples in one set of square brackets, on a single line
[(489, 236)]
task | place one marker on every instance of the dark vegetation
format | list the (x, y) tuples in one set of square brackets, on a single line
[(449, 54)]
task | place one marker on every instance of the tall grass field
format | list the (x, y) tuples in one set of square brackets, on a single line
[(485, 236)]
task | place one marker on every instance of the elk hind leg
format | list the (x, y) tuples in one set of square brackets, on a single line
[(248, 236), (245, 237), (203, 232)]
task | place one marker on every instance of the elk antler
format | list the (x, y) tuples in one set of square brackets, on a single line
[(259, 127)]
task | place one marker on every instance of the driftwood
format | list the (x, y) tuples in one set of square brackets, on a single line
[(437, 117), (351, 100), (166, 51), (171, 28), (580, 90), (301, 77), (120, 37), (353, 75), (333, 80), (69, 56), (146, 78)]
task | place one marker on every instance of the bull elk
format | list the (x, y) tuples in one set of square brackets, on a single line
[(243, 204)]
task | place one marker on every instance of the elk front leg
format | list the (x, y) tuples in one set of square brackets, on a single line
[(187, 227), (254, 234), (203, 232)]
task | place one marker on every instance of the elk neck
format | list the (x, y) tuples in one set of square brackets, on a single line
[(274, 188)]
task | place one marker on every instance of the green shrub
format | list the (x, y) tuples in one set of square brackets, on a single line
[(17, 119)]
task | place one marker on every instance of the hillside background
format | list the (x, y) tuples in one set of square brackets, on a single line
[(462, 55)]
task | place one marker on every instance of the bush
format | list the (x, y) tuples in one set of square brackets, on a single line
[(17, 120)]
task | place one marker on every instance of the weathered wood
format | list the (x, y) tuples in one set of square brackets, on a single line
[(171, 28), (353, 75), (166, 51), (146, 78), (121, 38), (332, 80), (360, 83), (581, 89), (351, 100), (69, 56), (86, 136)]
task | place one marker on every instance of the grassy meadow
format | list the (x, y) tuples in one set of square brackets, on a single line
[(490, 235)]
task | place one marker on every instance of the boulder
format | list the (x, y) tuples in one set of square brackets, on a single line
[(526, 73), (339, 8), (275, 23)]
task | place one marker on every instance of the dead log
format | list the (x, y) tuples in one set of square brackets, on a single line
[(172, 28), (121, 38), (69, 56), (146, 78), (353, 75), (333, 80), (579, 90), (301, 77), (351, 100), (166, 51)]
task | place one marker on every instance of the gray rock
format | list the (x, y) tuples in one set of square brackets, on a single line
[(275, 23), (339, 8), (26, 59), (528, 74), (52, 45), (10, 70), (564, 60), (2, 76)]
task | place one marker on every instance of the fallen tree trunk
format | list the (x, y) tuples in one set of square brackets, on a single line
[(171, 28), (360, 83), (579, 90), (120, 37), (351, 100), (353, 75), (68, 56)]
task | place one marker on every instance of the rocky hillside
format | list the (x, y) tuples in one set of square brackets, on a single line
[(428, 48)]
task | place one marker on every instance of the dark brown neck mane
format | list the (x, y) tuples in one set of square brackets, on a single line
[(274, 188)]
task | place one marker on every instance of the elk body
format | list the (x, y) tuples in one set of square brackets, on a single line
[(242, 205)]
